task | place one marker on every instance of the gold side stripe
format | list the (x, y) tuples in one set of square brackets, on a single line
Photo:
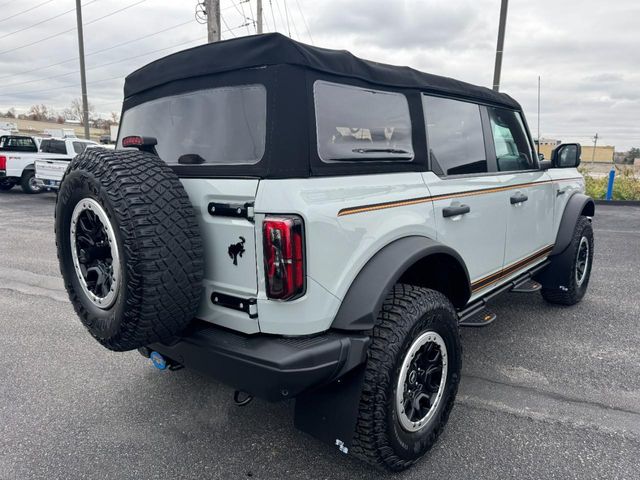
[(505, 272), (413, 201)]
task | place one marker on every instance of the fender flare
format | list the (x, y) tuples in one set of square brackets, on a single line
[(363, 301), (552, 277), (577, 204)]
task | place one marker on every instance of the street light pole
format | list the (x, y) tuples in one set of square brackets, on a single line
[(83, 75), (500, 48)]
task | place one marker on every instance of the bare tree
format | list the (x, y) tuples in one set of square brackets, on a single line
[(115, 118), (11, 113), (78, 112)]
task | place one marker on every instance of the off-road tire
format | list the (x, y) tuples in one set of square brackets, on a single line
[(26, 183), (572, 293), (407, 312), (160, 249)]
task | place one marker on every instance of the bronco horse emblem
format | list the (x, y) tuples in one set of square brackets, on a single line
[(236, 249)]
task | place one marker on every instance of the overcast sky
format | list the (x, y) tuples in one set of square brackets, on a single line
[(587, 52)]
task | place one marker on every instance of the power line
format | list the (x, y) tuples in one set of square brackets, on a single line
[(61, 88), (71, 29), (95, 52), (25, 11), (286, 23), (275, 25), (44, 21), (102, 64), (304, 20)]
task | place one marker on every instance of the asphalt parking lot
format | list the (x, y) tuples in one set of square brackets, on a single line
[(547, 392)]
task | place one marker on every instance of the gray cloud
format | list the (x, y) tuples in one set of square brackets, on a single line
[(586, 52)]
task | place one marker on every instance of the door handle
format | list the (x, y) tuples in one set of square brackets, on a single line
[(518, 198), (455, 211), (560, 192)]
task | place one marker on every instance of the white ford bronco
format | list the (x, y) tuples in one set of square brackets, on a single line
[(299, 223)]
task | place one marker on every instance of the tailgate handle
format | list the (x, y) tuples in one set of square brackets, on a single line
[(455, 211)]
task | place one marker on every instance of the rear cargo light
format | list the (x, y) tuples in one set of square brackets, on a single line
[(283, 242), (3, 162)]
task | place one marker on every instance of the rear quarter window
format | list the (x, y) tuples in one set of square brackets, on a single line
[(218, 126), (361, 124)]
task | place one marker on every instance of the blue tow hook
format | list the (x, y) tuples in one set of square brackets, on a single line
[(158, 361)]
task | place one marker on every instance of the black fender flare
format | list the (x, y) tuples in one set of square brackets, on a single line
[(361, 304), (579, 204), (552, 277)]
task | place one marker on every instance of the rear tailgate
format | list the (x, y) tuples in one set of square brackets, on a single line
[(229, 239), (50, 172)]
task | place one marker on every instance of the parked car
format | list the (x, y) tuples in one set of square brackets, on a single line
[(17, 156), (50, 168), (317, 227)]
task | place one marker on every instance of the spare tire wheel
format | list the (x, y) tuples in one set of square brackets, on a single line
[(129, 247)]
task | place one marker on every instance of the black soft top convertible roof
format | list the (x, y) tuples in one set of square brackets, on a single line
[(276, 49)]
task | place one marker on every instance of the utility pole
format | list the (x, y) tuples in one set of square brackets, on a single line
[(83, 75), (213, 20), (538, 152), (595, 144), (259, 15), (500, 48)]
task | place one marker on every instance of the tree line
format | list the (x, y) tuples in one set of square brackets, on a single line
[(74, 112)]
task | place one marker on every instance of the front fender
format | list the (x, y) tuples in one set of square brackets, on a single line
[(577, 204), (361, 304)]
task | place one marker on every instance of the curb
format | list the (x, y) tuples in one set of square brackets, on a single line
[(633, 203)]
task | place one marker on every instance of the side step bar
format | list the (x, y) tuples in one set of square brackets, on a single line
[(475, 315)]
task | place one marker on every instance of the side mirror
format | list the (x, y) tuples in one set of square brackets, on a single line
[(541, 156), (566, 155)]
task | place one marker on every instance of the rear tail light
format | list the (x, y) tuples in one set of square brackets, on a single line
[(3, 162), (283, 241)]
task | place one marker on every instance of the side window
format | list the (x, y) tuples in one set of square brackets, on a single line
[(454, 133), (53, 146), (360, 124), (513, 150), (79, 147)]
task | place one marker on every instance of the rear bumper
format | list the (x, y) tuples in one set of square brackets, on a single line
[(266, 366)]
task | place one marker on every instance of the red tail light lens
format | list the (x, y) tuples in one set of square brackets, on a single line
[(283, 241), (3, 162)]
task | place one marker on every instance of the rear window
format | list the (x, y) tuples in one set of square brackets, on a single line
[(53, 146), (222, 126), (18, 144), (356, 123), (454, 133)]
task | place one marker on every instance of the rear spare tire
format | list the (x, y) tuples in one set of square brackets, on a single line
[(129, 247)]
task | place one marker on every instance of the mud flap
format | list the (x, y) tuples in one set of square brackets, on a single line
[(555, 275), (330, 412)]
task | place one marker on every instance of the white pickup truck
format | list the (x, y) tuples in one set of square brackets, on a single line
[(17, 157), (55, 154)]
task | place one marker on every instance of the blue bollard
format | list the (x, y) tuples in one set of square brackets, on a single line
[(612, 176)]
